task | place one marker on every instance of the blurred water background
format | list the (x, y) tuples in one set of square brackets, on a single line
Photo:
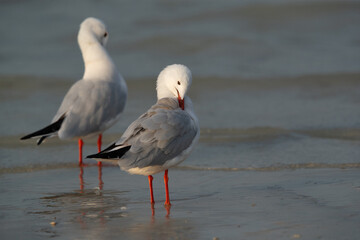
[(276, 87)]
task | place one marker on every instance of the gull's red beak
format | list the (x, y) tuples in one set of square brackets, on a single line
[(181, 101)]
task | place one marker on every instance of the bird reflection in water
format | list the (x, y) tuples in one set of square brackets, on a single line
[(81, 177), (167, 208)]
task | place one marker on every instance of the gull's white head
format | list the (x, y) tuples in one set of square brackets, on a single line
[(173, 82), (92, 31)]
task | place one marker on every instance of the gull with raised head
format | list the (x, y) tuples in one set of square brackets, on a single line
[(163, 136), (94, 103)]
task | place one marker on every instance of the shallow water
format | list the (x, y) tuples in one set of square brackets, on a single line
[(276, 87)]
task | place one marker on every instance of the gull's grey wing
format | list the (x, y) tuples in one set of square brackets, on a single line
[(90, 107), (157, 136)]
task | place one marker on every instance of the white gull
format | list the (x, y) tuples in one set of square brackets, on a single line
[(94, 103), (163, 136)]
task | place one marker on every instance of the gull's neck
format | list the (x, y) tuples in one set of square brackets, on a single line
[(164, 93), (98, 64)]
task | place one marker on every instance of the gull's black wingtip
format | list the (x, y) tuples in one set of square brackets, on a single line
[(108, 154), (46, 131), (93, 156), (25, 137), (28, 136)]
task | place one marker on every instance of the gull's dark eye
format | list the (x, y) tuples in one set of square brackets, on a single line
[(179, 83), (105, 34)]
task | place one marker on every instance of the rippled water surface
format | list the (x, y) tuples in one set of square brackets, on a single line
[(276, 87)]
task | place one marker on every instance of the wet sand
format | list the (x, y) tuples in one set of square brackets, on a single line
[(285, 204)]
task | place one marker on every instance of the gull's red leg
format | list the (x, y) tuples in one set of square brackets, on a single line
[(166, 180), (99, 142), (99, 146), (151, 190), (81, 143)]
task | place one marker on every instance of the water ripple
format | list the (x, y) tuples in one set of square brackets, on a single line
[(274, 168)]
